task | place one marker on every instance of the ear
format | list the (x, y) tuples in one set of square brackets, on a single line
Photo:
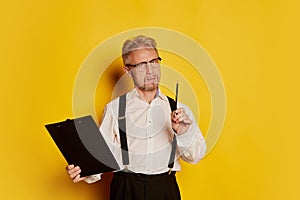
[(127, 71)]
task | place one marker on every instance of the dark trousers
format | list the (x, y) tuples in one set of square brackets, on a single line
[(132, 186)]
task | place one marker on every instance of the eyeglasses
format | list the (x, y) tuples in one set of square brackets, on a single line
[(154, 63)]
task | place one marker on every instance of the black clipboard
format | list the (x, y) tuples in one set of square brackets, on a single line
[(81, 143)]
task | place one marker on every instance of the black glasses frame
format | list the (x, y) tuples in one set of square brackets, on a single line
[(153, 61)]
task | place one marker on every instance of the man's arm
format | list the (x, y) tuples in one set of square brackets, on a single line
[(106, 126), (190, 141)]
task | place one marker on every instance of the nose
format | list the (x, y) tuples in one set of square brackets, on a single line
[(149, 68)]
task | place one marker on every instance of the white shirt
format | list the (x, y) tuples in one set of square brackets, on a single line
[(149, 135)]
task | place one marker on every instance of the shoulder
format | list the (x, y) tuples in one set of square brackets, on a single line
[(172, 102), (114, 104)]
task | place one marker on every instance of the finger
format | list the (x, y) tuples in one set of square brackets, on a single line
[(183, 118), (173, 116), (180, 110), (69, 167), (74, 171), (73, 175), (76, 179), (82, 178), (187, 121), (174, 113), (71, 171), (178, 117)]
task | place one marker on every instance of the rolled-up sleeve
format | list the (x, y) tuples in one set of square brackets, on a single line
[(191, 144), (93, 178)]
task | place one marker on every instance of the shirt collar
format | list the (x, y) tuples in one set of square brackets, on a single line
[(134, 94)]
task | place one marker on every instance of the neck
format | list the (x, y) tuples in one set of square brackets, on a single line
[(147, 95)]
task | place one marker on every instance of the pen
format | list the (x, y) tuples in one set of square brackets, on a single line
[(176, 97)]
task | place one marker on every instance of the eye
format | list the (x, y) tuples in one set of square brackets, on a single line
[(143, 64), (154, 61)]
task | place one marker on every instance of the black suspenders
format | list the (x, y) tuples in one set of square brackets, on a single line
[(122, 129), (174, 142), (122, 132)]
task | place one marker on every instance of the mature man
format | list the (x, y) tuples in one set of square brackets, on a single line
[(154, 138)]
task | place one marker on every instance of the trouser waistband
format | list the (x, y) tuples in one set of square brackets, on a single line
[(141, 176)]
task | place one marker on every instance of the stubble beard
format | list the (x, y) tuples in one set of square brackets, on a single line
[(149, 87)]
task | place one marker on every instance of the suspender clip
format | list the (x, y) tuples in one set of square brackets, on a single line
[(122, 117), (126, 168)]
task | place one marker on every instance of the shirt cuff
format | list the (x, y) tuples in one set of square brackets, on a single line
[(186, 139), (93, 178)]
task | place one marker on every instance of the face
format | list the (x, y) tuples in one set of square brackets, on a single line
[(146, 78)]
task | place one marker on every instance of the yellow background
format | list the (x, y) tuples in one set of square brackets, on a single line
[(255, 44)]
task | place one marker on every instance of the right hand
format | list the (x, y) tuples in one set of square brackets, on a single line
[(74, 173)]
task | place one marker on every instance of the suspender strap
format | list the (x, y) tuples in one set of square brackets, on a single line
[(122, 129), (174, 142), (173, 152)]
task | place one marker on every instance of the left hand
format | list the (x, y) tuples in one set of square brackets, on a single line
[(180, 121)]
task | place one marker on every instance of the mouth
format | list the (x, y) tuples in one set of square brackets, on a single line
[(151, 79)]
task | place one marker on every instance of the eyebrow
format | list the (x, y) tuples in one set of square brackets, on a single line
[(145, 62)]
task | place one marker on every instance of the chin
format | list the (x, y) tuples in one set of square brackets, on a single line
[(149, 87)]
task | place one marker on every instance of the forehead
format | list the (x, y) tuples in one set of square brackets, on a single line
[(142, 55)]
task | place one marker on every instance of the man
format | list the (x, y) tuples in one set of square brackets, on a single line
[(151, 126)]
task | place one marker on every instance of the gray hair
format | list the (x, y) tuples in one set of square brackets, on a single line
[(138, 42)]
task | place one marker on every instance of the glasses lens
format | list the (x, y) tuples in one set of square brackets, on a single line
[(142, 66), (155, 62)]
